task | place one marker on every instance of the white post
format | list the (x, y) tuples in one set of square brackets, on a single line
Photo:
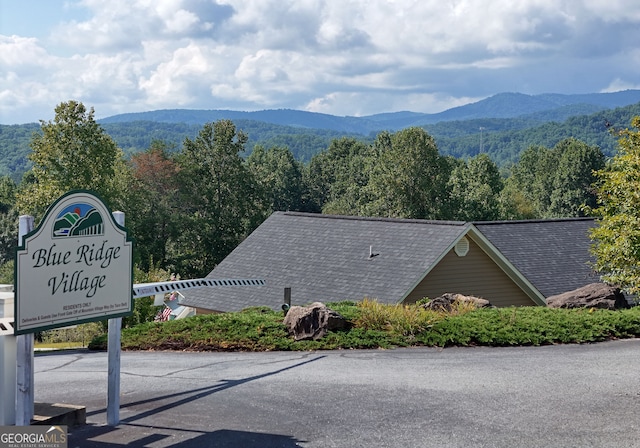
[(25, 392), (24, 374), (113, 349), (8, 366)]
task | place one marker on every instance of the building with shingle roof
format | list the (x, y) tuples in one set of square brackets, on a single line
[(554, 254), (331, 258)]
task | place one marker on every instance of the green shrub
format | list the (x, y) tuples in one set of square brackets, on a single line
[(375, 325)]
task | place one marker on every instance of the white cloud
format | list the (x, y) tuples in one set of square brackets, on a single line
[(363, 103), (618, 84), (175, 79), (17, 53), (352, 57)]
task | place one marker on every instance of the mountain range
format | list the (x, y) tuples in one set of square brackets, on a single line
[(502, 126), (540, 108)]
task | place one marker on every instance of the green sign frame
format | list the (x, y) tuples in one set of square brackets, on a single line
[(75, 267)]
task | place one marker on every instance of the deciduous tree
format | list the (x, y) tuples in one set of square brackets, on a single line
[(155, 205), (219, 201), (409, 178), (73, 152), (279, 176), (339, 175), (556, 182), (573, 178), (475, 190), (617, 235), (8, 219)]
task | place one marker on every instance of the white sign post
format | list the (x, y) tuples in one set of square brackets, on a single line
[(24, 356), (113, 366)]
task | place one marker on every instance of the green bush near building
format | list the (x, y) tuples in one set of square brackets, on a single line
[(374, 325)]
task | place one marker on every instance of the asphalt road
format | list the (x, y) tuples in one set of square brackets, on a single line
[(554, 396)]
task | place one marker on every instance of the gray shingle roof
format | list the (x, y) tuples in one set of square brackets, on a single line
[(552, 254), (326, 258)]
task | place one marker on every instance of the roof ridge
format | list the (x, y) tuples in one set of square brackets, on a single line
[(374, 218), (533, 221)]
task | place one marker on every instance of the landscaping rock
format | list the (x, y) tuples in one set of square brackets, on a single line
[(446, 301), (594, 295), (313, 321)]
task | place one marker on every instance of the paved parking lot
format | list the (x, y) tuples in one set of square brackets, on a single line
[(554, 396)]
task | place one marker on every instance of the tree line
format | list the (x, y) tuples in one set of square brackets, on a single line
[(189, 208)]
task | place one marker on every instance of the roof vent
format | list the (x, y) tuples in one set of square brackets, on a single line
[(371, 254), (462, 247)]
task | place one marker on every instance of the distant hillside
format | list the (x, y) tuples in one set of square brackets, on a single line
[(512, 122), (504, 145), (282, 117), (135, 136), (542, 108), (512, 105)]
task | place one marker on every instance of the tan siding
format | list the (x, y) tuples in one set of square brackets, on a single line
[(206, 311), (474, 274)]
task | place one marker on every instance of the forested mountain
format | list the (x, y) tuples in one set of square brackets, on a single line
[(502, 126), (505, 139), (544, 108)]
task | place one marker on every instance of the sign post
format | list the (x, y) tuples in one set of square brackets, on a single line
[(24, 356), (8, 358), (113, 351)]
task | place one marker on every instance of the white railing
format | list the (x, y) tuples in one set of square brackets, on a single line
[(6, 326), (150, 289)]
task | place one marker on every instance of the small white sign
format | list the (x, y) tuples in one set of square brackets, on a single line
[(75, 267)]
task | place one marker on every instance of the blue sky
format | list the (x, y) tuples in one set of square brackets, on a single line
[(341, 57)]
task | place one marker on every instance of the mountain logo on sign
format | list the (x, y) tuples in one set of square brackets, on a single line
[(79, 219)]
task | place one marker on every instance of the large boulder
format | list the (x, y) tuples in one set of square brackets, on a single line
[(313, 321), (446, 301), (594, 295)]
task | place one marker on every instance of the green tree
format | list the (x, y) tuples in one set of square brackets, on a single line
[(154, 204), (532, 177), (279, 177), (573, 178), (475, 190), (409, 178), (514, 204), (617, 235), (73, 152), (8, 220), (220, 204), (556, 182), (338, 176)]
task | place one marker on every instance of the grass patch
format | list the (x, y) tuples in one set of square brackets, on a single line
[(376, 325), (74, 336)]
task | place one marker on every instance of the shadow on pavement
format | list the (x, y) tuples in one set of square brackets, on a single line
[(222, 438), (131, 434)]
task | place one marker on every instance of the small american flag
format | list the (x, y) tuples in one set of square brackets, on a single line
[(166, 313), (163, 315)]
